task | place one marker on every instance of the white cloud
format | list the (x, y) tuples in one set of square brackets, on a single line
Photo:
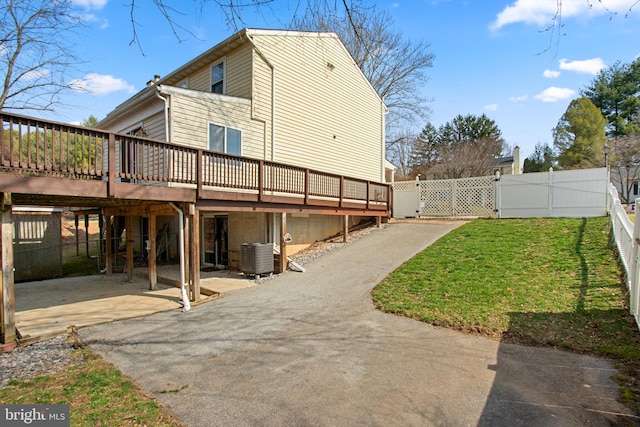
[(588, 66), (101, 84), (555, 94), (491, 107), (519, 98), (90, 4), (542, 12), (551, 74)]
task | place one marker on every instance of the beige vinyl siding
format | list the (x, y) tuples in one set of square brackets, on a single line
[(262, 98), (327, 119), (193, 114), (201, 80), (155, 126), (237, 74)]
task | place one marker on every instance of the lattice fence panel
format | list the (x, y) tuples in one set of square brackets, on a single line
[(458, 197), (476, 196), (405, 186)]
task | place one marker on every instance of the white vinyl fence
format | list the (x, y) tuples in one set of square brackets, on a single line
[(627, 238), (574, 193)]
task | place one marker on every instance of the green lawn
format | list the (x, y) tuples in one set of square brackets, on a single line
[(551, 282), (98, 395)]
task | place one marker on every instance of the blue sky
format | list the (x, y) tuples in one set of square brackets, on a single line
[(492, 56)]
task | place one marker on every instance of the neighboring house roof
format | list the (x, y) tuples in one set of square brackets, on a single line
[(503, 161)]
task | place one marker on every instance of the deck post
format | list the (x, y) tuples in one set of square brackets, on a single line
[(151, 257), (187, 248), (109, 245), (75, 217), (86, 234), (129, 247), (194, 252), (283, 244), (7, 296), (345, 229)]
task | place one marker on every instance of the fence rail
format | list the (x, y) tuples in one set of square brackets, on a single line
[(31, 146), (627, 238)]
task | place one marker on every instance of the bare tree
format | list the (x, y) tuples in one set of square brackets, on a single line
[(625, 163), (395, 65), (556, 26), (467, 159), (36, 52), (399, 153)]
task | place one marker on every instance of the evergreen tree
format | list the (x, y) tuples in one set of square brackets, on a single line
[(580, 135), (541, 160), (616, 92), (465, 146)]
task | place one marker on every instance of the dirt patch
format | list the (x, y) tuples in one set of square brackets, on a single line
[(69, 229)]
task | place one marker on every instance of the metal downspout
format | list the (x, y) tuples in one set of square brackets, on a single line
[(183, 290), (167, 128)]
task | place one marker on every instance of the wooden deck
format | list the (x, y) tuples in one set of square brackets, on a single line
[(49, 163), (46, 163)]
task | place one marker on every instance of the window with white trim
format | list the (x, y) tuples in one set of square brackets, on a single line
[(217, 78), (225, 139)]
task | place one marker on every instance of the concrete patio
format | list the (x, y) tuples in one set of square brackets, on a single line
[(52, 307)]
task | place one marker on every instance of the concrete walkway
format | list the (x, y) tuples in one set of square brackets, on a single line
[(309, 349)]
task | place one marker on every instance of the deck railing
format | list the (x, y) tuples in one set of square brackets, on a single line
[(32, 146)]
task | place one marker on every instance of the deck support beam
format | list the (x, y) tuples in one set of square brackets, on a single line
[(7, 296), (109, 244), (345, 229), (151, 256), (129, 247), (283, 243), (194, 252)]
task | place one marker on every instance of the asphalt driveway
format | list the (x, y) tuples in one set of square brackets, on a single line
[(310, 349)]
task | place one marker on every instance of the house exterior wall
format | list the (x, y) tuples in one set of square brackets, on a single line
[(237, 74), (155, 125), (328, 117), (303, 88), (306, 229), (194, 111), (245, 227)]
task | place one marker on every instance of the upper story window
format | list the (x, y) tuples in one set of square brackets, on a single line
[(217, 78), (225, 140)]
